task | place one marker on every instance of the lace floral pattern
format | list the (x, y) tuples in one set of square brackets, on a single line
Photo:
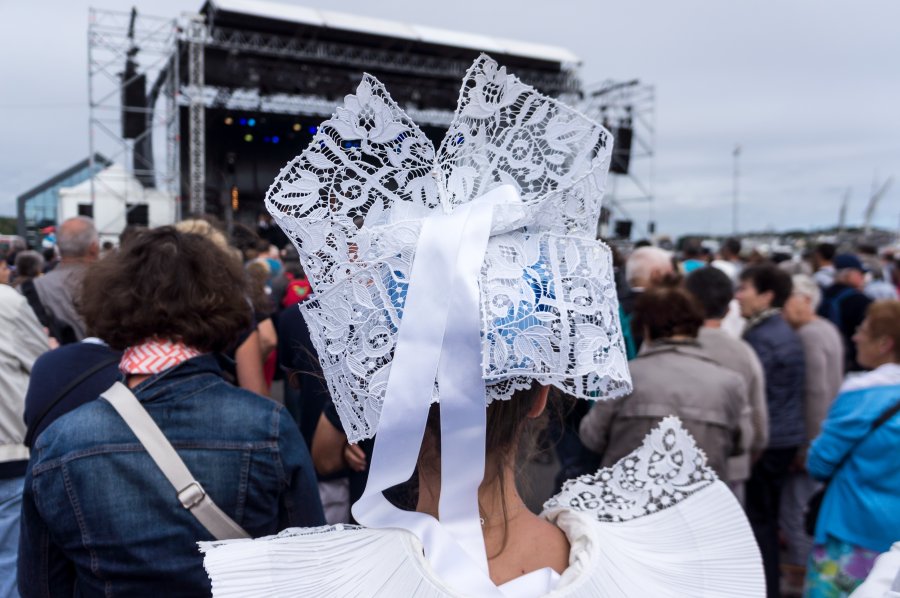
[(353, 204), (666, 469)]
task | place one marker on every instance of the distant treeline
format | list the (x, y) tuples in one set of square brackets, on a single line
[(7, 225)]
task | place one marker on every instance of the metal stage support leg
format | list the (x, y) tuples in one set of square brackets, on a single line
[(197, 114)]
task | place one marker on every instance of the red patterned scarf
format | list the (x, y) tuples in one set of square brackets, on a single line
[(155, 356)]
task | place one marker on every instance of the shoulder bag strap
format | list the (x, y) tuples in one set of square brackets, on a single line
[(883, 418), (190, 492)]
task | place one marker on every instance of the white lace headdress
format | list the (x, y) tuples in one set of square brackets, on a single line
[(353, 204), (460, 275)]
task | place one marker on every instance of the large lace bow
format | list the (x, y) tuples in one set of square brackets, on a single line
[(354, 202)]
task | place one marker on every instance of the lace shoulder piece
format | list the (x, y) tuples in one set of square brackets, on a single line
[(667, 468)]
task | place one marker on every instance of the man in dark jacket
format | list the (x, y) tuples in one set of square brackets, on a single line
[(844, 304), (762, 293)]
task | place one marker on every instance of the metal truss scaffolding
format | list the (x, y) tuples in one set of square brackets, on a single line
[(404, 63), (630, 105), (307, 77), (124, 49), (196, 38)]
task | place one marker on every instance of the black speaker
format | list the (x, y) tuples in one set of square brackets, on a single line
[(622, 229), (134, 95), (137, 214), (605, 215), (621, 156)]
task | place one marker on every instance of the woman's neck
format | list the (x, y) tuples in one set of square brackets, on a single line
[(510, 529)]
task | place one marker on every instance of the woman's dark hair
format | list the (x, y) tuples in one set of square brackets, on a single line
[(246, 239), (732, 246), (664, 312), (767, 277), (691, 249), (130, 232), (713, 289), (29, 264), (826, 251), (169, 285), (506, 421)]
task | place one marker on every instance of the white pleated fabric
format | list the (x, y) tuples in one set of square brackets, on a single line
[(677, 532)]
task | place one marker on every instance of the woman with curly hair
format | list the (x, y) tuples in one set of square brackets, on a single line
[(99, 518)]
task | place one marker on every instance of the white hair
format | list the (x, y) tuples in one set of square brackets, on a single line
[(806, 286), (75, 237), (644, 261)]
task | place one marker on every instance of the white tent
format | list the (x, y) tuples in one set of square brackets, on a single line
[(119, 198)]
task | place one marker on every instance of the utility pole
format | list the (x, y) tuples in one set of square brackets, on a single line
[(734, 198)]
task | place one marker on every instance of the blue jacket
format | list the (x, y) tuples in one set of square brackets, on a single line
[(100, 519), (862, 504), (781, 353)]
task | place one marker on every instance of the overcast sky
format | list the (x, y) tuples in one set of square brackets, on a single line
[(810, 90)]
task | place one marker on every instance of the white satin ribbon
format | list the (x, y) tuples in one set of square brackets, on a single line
[(440, 339)]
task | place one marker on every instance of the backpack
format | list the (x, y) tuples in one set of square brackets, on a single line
[(298, 289), (831, 307), (627, 334), (58, 329)]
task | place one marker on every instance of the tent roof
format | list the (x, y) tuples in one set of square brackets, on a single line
[(113, 180)]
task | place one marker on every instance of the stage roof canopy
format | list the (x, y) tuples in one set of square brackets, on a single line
[(392, 29)]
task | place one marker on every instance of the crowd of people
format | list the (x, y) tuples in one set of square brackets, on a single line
[(765, 362), (787, 380)]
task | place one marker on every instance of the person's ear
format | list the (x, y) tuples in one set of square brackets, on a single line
[(540, 403), (886, 345)]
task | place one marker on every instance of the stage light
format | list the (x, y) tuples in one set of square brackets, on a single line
[(242, 122), (251, 122), (229, 121), (235, 200), (248, 137), (313, 130), (297, 126), (275, 139)]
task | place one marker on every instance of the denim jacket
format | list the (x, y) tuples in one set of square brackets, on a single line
[(100, 519)]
